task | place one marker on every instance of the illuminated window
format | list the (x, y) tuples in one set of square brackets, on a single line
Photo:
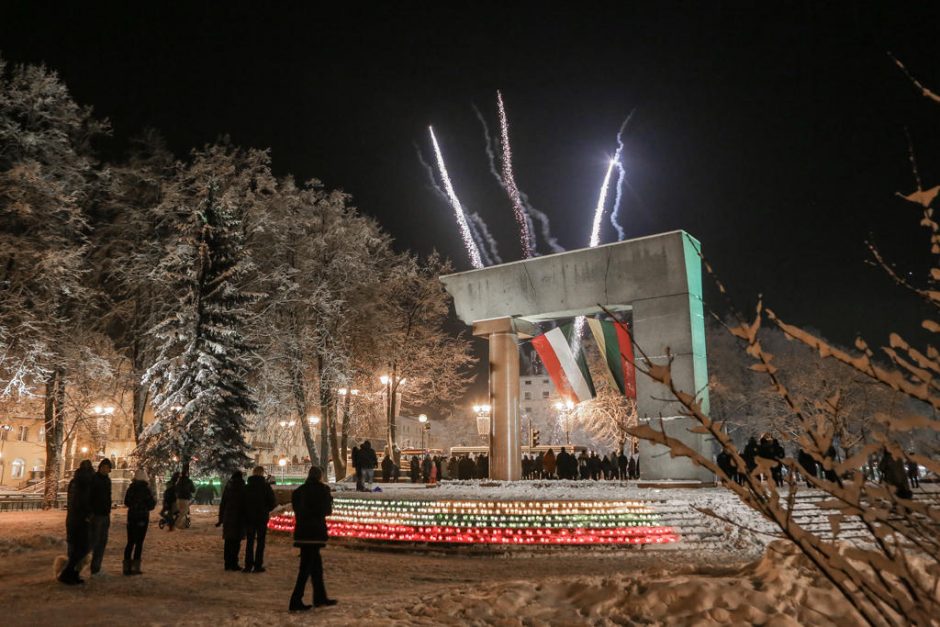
[(42, 435), (24, 434), (19, 468)]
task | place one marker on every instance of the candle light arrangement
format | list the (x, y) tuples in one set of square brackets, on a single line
[(492, 522)]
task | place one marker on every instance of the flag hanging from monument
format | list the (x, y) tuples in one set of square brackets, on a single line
[(567, 371), (617, 348)]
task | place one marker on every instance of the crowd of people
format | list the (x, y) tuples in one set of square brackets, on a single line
[(583, 466), (244, 512), (768, 454)]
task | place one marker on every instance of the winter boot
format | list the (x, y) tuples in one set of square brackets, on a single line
[(135, 567), (127, 567)]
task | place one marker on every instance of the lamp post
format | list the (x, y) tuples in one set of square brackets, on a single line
[(282, 462), (483, 420), (564, 411), (3, 440), (423, 419)]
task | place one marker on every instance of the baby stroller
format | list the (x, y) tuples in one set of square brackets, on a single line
[(171, 518)]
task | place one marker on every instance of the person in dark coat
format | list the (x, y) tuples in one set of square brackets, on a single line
[(725, 464), (358, 469), (809, 466), (77, 522), (368, 461), (831, 456), (622, 466), (594, 465), (101, 510), (259, 501), (465, 468), (426, 469), (232, 519), (312, 503), (750, 454), (387, 466), (607, 468), (561, 464), (185, 489), (140, 502), (584, 468), (894, 474), (414, 468), (169, 501), (913, 473)]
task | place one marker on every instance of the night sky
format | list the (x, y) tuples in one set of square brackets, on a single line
[(775, 136)]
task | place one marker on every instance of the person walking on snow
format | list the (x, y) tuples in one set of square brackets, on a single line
[(232, 519), (140, 502), (312, 503), (101, 510), (259, 501)]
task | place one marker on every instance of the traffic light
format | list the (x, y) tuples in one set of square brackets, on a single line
[(535, 437)]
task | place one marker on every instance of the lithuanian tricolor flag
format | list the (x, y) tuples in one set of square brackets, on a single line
[(569, 372), (617, 349)]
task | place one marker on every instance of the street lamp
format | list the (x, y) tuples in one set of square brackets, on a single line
[(483, 420), (564, 409), (3, 440), (282, 462), (423, 419)]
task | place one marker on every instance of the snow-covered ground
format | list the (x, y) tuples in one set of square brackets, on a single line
[(184, 582)]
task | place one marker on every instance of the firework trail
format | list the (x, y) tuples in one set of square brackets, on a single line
[(621, 176), (599, 210), (430, 172), (544, 224), (478, 229), (468, 240), (490, 249), (595, 240), (509, 181)]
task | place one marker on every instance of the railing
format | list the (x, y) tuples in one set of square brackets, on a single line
[(22, 502)]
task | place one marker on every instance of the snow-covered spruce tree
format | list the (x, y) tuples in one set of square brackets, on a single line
[(48, 179), (889, 573), (199, 381)]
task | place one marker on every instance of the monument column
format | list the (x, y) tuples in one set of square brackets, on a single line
[(505, 446)]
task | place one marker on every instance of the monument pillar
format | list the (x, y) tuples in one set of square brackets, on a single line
[(505, 446)]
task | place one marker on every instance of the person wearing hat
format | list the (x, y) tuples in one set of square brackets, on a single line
[(140, 502), (101, 513)]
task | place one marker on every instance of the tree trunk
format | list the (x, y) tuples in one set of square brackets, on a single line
[(339, 463), (344, 444), (326, 409), (53, 419), (141, 397), (299, 392)]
